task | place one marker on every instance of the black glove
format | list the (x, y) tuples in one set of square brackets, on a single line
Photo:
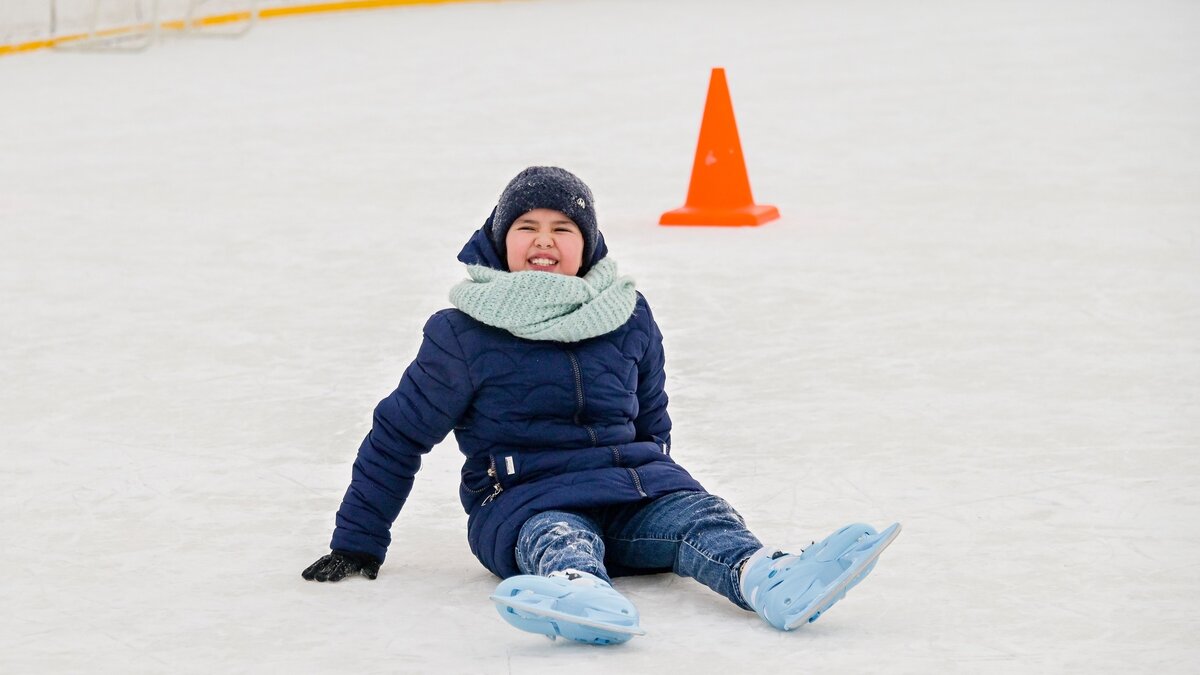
[(338, 564)]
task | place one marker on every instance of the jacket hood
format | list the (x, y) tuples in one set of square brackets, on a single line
[(479, 250)]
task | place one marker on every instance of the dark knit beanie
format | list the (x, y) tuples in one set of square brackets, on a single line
[(547, 187)]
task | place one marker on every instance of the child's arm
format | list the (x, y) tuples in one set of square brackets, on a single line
[(652, 420), (431, 398)]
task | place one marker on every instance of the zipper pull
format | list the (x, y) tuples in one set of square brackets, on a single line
[(496, 490)]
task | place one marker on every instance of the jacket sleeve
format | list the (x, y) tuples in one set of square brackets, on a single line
[(432, 396), (652, 419)]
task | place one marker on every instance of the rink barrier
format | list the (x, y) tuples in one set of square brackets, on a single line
[(220, 19)]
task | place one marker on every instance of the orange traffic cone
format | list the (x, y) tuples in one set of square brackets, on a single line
[(719, 193)]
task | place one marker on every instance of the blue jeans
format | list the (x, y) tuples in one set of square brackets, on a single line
[(694, 534)]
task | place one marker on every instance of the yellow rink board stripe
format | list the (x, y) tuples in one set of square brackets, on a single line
[(217, 19)]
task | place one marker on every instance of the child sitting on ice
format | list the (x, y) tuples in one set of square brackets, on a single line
[(550, 373)]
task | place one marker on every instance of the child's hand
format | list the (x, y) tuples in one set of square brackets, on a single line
[(338, 564)]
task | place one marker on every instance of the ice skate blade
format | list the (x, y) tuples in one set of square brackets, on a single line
[(853, 573), (542, 612)]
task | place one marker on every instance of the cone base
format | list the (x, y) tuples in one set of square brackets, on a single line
[(754, 214)]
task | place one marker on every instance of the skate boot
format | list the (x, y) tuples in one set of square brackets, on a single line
[(790, 590), (576, 605)]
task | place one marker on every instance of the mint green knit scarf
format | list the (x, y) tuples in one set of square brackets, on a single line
[(548, 306)]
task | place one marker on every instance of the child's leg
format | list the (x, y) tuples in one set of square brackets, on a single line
[(694, 534), (554, 541), (565, 589), (699, 535)]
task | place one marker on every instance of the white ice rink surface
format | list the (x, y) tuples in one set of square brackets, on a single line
[(978, 316)]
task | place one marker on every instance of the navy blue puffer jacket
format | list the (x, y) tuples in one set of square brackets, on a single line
[(542, 425)]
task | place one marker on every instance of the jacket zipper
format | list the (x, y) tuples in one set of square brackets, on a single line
[(637, 482), (475, 491), (496, 489), (579, 396)]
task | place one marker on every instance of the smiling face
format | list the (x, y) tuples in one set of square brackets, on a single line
[(544, 240)]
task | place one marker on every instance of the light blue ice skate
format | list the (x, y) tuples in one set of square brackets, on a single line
[(573, 604), (791, 590)]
